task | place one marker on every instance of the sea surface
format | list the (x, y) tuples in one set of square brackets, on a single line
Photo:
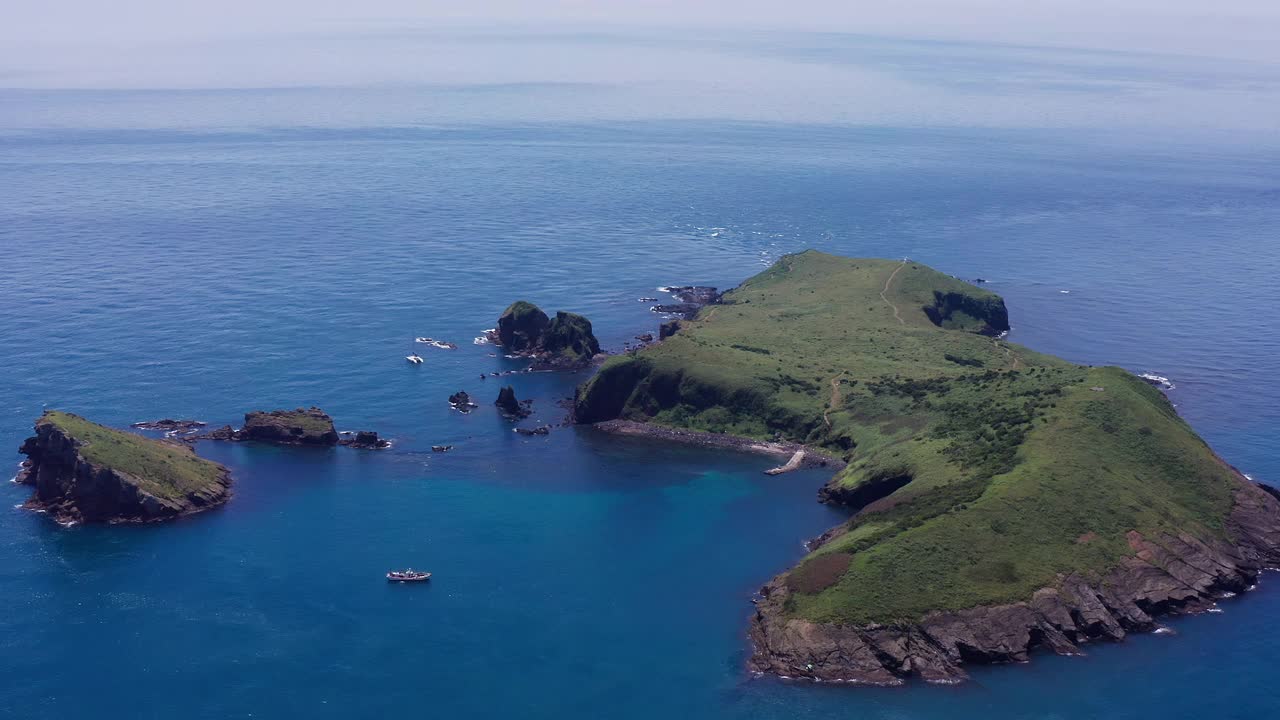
[(156, 266)]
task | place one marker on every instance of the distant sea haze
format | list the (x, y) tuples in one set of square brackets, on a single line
[(202, 254)]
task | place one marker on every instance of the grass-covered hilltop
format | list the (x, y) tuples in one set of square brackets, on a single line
[(1006, 499), (85, 472)]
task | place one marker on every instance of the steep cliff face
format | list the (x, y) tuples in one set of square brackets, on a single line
[(304, 426), (521, 326), (1168, 574), (978, 311), (570, 334), (83, 472)]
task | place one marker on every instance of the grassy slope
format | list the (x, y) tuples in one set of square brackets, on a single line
[(1020, 469), (162, 469)]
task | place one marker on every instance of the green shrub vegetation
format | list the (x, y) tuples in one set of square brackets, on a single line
[(163, 469), (1021, 466)]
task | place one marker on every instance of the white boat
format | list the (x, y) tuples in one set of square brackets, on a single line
[(1159, 381), (409, 575), (413, 357)]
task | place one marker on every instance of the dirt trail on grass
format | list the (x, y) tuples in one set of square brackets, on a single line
[(888, 282), (1009, 353), (835, 399)]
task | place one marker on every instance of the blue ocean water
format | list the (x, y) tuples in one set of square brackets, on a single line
[(204, 272)]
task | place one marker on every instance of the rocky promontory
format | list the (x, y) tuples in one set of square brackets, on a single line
[(1002, 500), (564, 342), (1171, 573), (85, 472)]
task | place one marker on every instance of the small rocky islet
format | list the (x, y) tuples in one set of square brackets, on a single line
[(302, 426), (1002, 500), (563, 342), (85, 472)]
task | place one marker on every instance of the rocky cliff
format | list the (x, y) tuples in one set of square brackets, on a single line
[(1168, 574), (974, 310), (84, 472)]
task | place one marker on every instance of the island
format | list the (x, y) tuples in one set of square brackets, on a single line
[(85, 472), (564, 342), (303, 426), (1002, 500)]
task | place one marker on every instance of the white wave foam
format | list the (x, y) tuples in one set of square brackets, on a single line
[(1215, 610), (1164, 631)]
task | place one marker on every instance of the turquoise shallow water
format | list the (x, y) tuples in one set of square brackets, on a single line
[(203, 274)]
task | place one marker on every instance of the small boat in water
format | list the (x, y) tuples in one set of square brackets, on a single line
[(409, 575), (413, 357), (1159, 381)]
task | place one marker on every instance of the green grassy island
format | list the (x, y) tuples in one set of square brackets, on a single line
[(1005, 499), (86, 472)]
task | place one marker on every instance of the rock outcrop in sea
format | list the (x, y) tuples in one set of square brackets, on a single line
[(85, 472), (304, 426), (564, 342), (366, 440), (692, 299), (462, 402), (509, 406)]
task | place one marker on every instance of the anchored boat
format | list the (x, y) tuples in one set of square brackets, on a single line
[(408, 576)]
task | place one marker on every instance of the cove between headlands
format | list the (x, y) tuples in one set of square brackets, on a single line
[(1002, 500)]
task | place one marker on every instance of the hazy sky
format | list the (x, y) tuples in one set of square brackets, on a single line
[(61, 38), (1211, 64)]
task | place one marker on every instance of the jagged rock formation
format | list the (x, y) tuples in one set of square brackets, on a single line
[(366, 440), (169, 425), (509, 406), (462, 402), (84, 472), (692, 299), (304, 426), (564, 342), (1165, 575)]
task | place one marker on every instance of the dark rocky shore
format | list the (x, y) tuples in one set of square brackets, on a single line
[(1167, 575)]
